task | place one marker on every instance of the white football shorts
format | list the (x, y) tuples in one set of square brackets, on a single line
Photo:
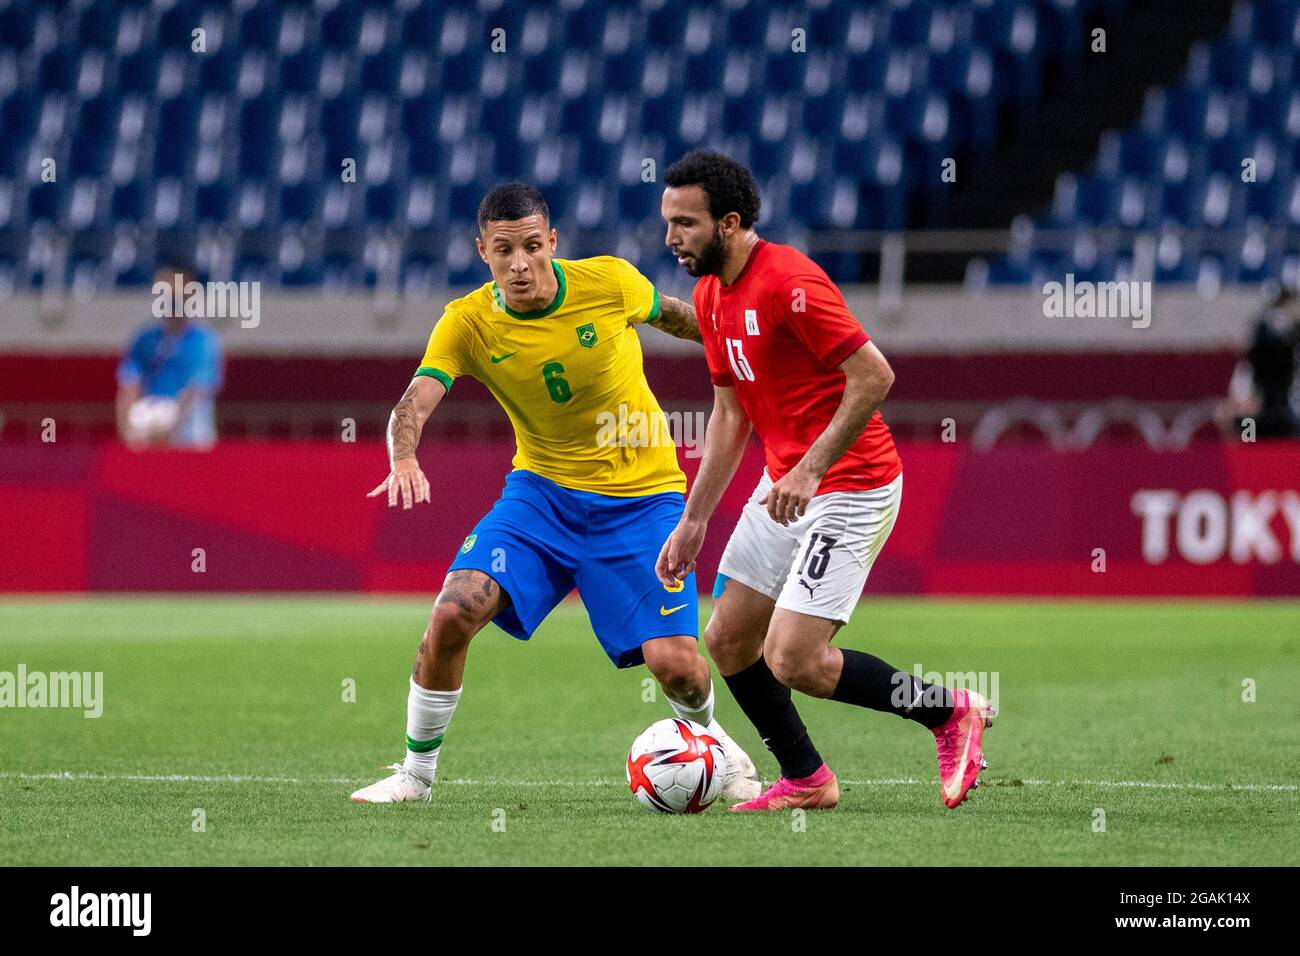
[(818, 564)]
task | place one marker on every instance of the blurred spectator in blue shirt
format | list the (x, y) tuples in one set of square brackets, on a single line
[(168, 379)]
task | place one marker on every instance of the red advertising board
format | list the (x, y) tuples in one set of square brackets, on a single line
[(1116, 520)]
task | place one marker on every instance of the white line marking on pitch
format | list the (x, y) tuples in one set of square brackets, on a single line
[(885, 782)]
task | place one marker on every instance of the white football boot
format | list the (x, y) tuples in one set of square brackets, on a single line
[(742, 781), (402, 785)]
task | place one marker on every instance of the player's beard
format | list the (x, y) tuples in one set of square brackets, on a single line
[(711, 259)]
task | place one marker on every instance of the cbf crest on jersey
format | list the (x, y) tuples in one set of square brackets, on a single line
[(469, 544), (587, 335)]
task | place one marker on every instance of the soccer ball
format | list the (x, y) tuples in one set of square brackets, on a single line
[(676, 766)]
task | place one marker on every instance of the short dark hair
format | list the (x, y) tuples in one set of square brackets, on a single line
[(511, 201), (730, 185), (173, 262)]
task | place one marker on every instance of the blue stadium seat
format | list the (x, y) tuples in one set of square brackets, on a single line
[(1269, 110), (909, 24), (1178, 267), (214, 203), (47, 202), (17, 25), (259, 136), (888, 88), (463, 199), (580, 117), (1185, 109), (462, 72), (380, 72), (300, 71), (383, 202), (540, 72), (176, 24), (1181, 202), (703, 71), (18, 120), (746, 27), (97, 26), (259, 27), (59, 68), (1230, 62), (138, 72), (867, 70), (341, 26), (742, 114), (339, 120), (638, 202), (666, 26), (174, 152), (299, 202), (620, 74), (767, 157), (1226, 153), (1273, 22), (583, 28), (219, 70), (95, 137), (422, 26)]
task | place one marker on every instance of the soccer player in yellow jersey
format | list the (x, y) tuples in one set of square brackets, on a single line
[(553, 341)]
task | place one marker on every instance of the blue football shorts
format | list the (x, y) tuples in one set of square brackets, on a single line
[(541, 540)]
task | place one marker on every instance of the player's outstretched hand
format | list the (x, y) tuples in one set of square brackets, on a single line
[(788, 498), (677, 556), (407, 479)]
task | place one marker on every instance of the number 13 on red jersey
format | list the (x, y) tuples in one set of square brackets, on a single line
[(739, 366)]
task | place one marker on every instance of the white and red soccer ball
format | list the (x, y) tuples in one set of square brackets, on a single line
[(676, 766)]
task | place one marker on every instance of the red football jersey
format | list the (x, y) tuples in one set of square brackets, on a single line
[(777, 336)]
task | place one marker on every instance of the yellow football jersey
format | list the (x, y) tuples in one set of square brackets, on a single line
[(569, 376)]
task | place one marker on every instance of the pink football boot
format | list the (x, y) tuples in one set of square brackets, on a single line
[(961, 758), (821, 791)]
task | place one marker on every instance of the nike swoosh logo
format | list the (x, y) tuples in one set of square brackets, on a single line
[(502, 358), (671, 610)]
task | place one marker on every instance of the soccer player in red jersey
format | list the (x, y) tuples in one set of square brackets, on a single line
[(789, 361)]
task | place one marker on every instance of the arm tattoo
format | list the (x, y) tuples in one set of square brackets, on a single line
[(677, 318), (403, 427)]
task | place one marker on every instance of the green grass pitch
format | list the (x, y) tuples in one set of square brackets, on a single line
[(235, 707)]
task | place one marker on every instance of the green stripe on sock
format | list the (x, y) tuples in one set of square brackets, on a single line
[(423, 746)]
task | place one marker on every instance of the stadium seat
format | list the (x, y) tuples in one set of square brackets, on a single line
[(255, 128)]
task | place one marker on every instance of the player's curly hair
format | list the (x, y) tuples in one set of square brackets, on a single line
[(511, 201), (729, 184)]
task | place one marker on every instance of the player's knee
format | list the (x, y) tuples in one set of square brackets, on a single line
[(790, 668), (727, 645), (451, 624), (678, 671), (799, 669)]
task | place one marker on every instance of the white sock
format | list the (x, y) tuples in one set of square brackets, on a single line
[(702, 715), (428, 712)]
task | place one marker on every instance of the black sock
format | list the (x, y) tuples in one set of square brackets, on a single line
[(767, 704), (869, 682)]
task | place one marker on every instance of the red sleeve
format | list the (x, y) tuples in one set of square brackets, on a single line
[(813, 309), (719, 370)]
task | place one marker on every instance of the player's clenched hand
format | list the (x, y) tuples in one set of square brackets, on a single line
[(677, 556), (788, 498), (407, 479)]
